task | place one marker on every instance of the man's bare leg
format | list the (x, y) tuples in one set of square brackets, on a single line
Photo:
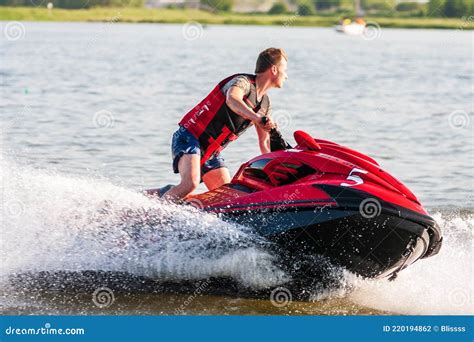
[(189, 167), (215, 178)]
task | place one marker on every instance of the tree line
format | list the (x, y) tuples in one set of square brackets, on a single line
[(434, 8)]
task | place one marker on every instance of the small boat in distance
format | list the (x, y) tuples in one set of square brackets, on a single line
[(354, 27)]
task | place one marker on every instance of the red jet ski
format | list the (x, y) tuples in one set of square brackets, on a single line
[(321, 198)]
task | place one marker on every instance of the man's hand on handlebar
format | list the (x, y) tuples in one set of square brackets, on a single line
[(266, 123)]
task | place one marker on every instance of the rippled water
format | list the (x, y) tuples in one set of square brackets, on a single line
[(391, 98), (87, 115)]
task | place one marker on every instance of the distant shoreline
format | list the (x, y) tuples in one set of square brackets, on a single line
[(146, 15)]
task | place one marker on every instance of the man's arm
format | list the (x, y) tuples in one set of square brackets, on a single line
[(234, 99), (263, 140)]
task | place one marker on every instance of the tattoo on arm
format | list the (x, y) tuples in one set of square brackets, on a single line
[(240, 82)]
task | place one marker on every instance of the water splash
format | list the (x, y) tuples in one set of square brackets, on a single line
[(53, 222), (440, 285)]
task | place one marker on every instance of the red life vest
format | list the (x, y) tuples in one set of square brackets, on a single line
[(214, 124)]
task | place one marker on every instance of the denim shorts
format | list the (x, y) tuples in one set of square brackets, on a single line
[(186, 143)]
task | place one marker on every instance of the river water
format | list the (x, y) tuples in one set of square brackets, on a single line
[(88, 110)]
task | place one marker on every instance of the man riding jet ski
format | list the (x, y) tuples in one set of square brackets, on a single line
[(316, 199), (233, 105), (323, 199)]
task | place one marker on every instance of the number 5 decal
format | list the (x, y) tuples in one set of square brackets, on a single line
[(354, 178)]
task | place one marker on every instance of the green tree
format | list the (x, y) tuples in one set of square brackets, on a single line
[(278, 8), (456, 8), (408, 6), (436, 8), (14, 3), (218, 5), (378, 5), (325, 4), (306, 8)]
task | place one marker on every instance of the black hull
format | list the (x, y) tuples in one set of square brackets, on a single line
[(374, 245), (370, 248)]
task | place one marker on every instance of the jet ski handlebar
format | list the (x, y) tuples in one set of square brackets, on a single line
[(277, 142), (303, 139)]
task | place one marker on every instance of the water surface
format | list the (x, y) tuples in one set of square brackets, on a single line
[(88, 111)]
